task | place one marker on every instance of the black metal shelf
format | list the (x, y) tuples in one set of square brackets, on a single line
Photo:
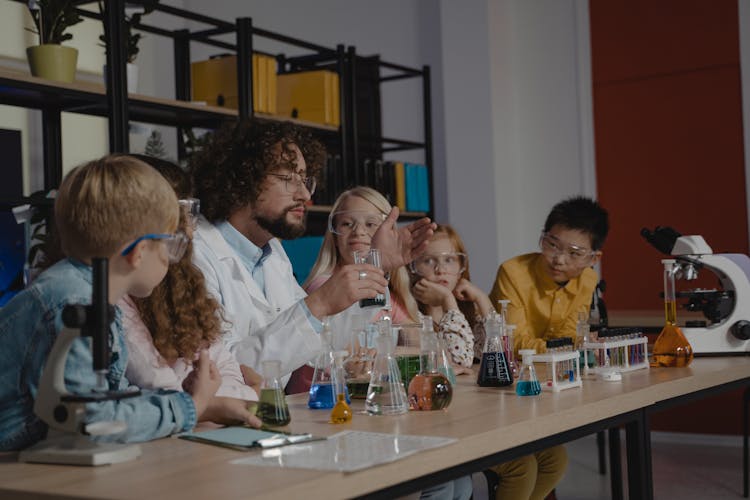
[(113, 102), (37, 93)]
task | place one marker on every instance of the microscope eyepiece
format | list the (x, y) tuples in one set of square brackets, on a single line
[(662, 238)]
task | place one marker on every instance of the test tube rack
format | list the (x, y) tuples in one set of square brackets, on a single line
[(620, 355), (562, 370)]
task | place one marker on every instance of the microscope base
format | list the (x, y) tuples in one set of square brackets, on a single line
[(78, 450)]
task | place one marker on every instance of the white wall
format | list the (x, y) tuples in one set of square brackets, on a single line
[(517, 120), (744, 20)]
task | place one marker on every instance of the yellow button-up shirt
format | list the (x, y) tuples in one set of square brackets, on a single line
[(539, 307)]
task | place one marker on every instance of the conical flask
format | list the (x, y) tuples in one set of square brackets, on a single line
[(493, 370), (444, 364), (272, 407), (429, 389), (386, 394), (341, 412), (528, 383), (671, 347), (322, 394)]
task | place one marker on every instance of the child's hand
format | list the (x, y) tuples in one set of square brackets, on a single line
[(203, 382), (461, 370), (252, 378), (230, 411), (467, 291), (434, 295)]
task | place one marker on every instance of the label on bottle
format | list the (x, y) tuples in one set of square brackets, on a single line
[(493, 371)]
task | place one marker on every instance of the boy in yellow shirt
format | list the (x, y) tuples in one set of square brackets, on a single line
[(547, 290)]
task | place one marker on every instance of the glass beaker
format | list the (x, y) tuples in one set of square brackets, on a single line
[(358, 366), (371, 257), (493, 370), (429, 389), (321, 389), (386, 394), (341, 412), (671, 347), (528, 383), (272, 407)]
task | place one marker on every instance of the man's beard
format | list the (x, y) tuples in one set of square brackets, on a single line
[(279, 227)]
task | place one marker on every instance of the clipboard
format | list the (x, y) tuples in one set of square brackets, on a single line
[(246, 439)]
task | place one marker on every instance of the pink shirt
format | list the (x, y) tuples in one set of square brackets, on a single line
[(148, 369)]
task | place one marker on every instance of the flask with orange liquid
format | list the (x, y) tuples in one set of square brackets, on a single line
[(671, 347)]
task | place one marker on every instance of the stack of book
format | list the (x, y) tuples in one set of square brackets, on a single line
[(215, 82), (405, 185), (310, 95)]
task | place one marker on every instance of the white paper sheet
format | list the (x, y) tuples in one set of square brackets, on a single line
[(347, 451)]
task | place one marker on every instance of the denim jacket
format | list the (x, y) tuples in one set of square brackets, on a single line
[(29, 325)]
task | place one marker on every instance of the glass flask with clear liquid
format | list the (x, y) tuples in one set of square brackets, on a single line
[(494, 370), (671, 347), (386, 394), (272, 407), (358, 366), (429, 389), (528, 383), (341, 412), (322, 394)]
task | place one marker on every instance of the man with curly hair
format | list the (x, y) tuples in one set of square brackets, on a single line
[(254, 180)]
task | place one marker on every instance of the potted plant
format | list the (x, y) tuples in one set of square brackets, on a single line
[(50, 59), (132, 38)]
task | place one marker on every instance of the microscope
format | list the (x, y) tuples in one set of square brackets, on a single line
[(726, 329), (69, 438)]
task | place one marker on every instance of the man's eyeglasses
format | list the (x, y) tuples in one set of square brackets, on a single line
[(344, 222), (294, 182), (449, 262), (552, 247), (176, 244), (192, 208)]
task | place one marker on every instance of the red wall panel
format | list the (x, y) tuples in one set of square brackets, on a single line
[(669, 151), (633, 39)]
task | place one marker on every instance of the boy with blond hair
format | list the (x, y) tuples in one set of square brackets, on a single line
[(119, 208)]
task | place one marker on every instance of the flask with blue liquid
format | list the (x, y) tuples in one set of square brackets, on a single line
[(527, 384), (322, 390)]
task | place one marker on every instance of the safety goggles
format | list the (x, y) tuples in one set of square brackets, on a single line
[(174, 243), (449, 262), (345, 222), (552, 247)]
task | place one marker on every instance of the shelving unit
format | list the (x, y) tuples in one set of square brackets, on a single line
[(20, 89)]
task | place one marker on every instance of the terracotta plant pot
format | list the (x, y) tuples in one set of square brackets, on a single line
[(53, 62)]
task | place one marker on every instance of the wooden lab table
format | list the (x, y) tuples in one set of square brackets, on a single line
[(491, 426)]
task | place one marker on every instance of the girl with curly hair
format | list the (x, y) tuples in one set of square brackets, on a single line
[(166, 331)]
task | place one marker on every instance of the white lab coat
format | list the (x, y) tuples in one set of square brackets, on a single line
[(262, 326)]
